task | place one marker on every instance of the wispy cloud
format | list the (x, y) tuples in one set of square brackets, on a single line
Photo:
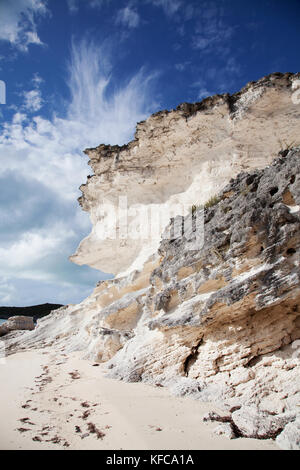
[(204, 93), (182, 66), (98, 3), (33, 100), (18, 22), (74, 4), (170, 7), (42, 167), (202, 89), (128, 17), (212, 37), (105, 116), (37, 80), (212, 31)]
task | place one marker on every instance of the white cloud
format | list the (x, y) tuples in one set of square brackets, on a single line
[(33, 246), (31, 37), (37, 80), (170, 7), (202, 42), (18, 22), (42, 167), (232, 66), (98, 3), (128, 17), (7, 291), (110, 118), (182, 66), (204, 93), (211, 32), (33, 100), (74, 4)]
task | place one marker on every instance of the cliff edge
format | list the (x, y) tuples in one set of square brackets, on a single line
[(173, 155)]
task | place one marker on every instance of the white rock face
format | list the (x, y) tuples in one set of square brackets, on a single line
[(184, 156), (220, 323), (17, 323)]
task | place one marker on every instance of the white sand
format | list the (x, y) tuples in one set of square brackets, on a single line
[(132, 416)]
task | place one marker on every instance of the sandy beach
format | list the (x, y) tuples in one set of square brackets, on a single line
[(51, 401)]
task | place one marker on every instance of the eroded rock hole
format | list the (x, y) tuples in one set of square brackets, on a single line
[(273, 191), (253, 361), (254, 188), (250, 179)]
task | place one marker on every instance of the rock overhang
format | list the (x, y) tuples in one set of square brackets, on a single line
[(183, 157)]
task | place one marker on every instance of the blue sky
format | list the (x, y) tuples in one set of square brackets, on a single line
[(82, 72)]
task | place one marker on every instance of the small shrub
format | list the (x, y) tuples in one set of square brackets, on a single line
[(195, 207), (217, 253), (212, 202)]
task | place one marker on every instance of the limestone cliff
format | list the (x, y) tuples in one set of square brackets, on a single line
[(184, 156), (218, 320)]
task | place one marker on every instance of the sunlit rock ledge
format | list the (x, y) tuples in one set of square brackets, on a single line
[(221, 322)]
